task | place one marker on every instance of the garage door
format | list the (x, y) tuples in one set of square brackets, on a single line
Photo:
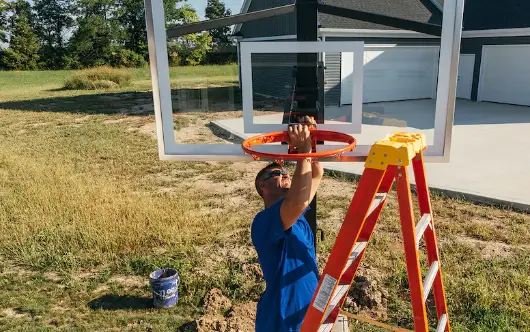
[(505, 74), (393, 73)]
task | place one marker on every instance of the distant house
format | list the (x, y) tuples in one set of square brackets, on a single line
[(403, 65)]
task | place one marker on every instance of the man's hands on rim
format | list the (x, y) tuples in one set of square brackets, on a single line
[(300, 138), (299, 134)]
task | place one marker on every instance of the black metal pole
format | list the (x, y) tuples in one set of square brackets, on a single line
[(306, 89)]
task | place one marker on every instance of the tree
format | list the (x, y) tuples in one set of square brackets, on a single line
[(22, 53), (190, 49), (131, 17), (54, 17), (223, 50), (92, 43), (216, 9), (3, 21)]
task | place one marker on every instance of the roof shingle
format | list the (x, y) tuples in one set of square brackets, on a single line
[(415, 10)]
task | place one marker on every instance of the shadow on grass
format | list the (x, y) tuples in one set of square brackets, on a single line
[(121, 302), (211, 99)]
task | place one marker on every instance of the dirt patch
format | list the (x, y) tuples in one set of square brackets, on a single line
[(368, 295), (39, 124), (12, 313), (128, 281), (331, 187), (148, 129), (52, 276), (59, 309), (222, 316), (84, 275), (101, 289), (113, 121), (9, 269), (491, 249), (83, 119), (216, 302)]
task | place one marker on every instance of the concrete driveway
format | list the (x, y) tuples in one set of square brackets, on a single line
[(490, 154)]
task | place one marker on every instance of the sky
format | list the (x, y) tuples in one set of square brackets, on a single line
[(200, 5)]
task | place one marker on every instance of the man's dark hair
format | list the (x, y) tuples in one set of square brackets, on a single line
[(262, 172)]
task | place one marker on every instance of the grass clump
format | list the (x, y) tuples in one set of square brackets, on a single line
[(98, 78)]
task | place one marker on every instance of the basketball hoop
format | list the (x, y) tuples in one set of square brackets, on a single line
[(283, 136)]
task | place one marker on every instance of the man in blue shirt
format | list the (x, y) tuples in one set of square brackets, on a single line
[(284, 241)]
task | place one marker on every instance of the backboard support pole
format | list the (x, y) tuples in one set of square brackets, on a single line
[(306, 92)]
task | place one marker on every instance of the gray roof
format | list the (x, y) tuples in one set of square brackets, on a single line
[(415, 10), (495, 14)]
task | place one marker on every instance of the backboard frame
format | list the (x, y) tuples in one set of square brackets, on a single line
[(249, 48), (170, 150)]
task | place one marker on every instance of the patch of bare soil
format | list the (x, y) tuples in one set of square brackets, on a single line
[(10, 269), (101, 289), (148, 129), (491, 249), (60, 309), (39, 124), (52, 276), (332, 187), (244, 255), (216, 302), (128, 281), (368, 295), (13, 313), (222, 316), (83, 119), (113, 121)]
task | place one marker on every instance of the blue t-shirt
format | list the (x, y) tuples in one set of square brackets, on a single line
[(289, 266)]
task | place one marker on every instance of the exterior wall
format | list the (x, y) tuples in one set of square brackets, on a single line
[(332, 78), (272, 74), (273, 26), (474, 46), (333, 62)]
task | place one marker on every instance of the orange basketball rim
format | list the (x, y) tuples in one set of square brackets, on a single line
[(283, 136)]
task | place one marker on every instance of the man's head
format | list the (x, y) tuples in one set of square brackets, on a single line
[(272, 182)]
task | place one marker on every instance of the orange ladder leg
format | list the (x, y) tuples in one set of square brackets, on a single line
[(431, 245)]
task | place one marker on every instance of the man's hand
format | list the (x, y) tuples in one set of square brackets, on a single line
[(300, 138)]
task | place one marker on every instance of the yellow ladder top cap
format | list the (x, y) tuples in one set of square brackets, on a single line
[(396, 149)]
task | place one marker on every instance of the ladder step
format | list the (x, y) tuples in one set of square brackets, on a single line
[(421, 227), (326, 327), (442, 323), (379, 198), (340, 291), (429, 279), (356, 252)]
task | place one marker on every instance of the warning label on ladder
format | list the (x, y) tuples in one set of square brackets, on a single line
[(324, 293)]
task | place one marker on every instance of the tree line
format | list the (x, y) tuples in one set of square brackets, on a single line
[(76, 34)]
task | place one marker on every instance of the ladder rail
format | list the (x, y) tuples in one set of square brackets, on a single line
[(346, 238), (367, 231), (424, 200), (411, 254)]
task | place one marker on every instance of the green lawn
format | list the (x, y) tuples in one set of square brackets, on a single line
[(12, 80), (87, 211)]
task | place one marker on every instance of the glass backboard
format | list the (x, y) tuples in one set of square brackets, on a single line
[(367, 89)]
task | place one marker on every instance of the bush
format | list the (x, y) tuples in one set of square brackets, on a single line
[(98, 78), (127, 58)]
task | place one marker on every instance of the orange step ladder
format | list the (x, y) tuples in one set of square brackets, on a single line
[(387, 161)]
